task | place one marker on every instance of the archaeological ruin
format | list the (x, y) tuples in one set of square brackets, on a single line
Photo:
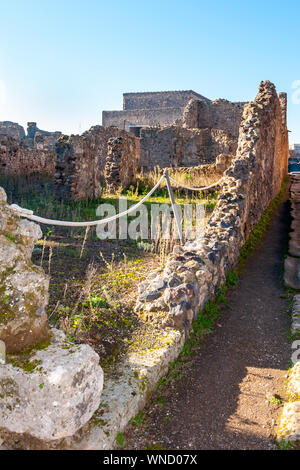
[(245, 144)]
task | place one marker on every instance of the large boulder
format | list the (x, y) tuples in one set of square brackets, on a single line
[(50, 393), (23, 285)]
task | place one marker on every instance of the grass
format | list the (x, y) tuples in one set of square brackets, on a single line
[(93, 282)]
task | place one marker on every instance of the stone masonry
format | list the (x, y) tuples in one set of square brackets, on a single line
[(16, 158), (150, 109), (22, 154), (175, 146), (81, 161), (196, 270), (218, 114)]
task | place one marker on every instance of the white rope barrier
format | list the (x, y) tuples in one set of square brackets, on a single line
[(29, 214), (196, 189)]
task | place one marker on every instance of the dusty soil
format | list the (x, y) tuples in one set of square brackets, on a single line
[(224, 400)]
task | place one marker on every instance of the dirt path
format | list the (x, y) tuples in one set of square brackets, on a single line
[(223, 401)]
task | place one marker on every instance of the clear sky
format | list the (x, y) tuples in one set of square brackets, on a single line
[(64, 61)]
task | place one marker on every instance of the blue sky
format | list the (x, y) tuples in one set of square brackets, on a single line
[(63, 62)]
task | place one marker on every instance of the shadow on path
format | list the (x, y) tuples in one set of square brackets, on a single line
[(222, 402)]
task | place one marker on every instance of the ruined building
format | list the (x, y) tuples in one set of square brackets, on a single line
[(24, 154), (172, 129), (150, 109)]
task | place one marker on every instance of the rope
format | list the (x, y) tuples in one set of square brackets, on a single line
[(29, 214), (196, 189)]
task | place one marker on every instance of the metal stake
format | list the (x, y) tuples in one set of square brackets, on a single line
[(178, 224)]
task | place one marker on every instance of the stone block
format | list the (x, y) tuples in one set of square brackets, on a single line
[(53, 393)]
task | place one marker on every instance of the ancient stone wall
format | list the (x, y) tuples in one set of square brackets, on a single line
[(35, 138), (196, 270), (81, 161), (175, 146), (121, 163), (12, 129), (218, 114), (144, 117), (159, 99), (16, 158), (208, 170)]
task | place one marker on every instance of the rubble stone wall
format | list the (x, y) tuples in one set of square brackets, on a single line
[(196, 270), (16, 158), (218, 114), (81, 161), (143, 117), (159, 99), (175, 146), (12, 129)]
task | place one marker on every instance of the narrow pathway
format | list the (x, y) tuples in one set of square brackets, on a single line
[(223, 400)]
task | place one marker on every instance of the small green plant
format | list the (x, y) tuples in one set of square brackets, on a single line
[(138, 420), (10, 238), (5, 299), (232, 278), (285, 445), (121, 440), (155, 447), (276, 400), (95, 302)]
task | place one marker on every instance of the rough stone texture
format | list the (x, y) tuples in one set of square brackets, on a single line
[(23, 285), (159, 99), (57, 397), (175, 146), (292, 262), (218, 114), (122, 398), (142, 117), (289, 429), (295, 327), (211, 171), (120, 163), (39, 139), (251, 182), (292, 272), (12, 129), (150, 109), (81, 161), (16, 158), (294, 382)]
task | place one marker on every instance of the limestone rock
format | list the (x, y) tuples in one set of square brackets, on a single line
[(289, 429), (23, 286), (52, 394), (294, 381)]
